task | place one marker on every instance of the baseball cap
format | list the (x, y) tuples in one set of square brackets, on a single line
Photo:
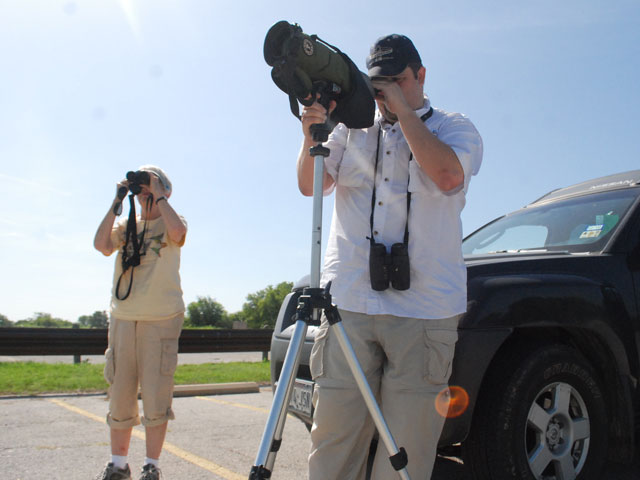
[(390, 55), (164, 179)]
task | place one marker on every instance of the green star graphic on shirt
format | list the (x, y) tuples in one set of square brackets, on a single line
[(155, 244)]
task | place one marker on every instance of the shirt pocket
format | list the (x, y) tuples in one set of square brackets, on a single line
[(358, 160), (438, 360)]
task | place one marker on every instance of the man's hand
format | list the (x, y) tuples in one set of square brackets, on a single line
[(390, 95), (316, 113)]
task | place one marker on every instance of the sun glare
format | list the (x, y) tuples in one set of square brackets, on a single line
[(132, 19), (452, 401)]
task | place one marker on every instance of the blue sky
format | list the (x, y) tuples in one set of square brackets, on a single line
[(92, 89)]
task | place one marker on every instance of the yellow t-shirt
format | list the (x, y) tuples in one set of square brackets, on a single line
[(156, 293)]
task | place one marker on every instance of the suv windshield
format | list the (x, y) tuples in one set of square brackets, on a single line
[(579, 224)]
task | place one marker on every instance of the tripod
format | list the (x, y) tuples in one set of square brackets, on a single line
[(311, 302)]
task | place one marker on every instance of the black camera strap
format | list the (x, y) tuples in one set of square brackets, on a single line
[(423, 118), (131, 238)]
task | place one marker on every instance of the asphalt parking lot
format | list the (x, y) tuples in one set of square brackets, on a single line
[(213, 437)]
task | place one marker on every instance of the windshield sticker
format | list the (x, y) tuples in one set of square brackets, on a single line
[(592, 231)]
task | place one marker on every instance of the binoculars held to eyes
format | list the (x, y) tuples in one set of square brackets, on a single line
[(137, 179)]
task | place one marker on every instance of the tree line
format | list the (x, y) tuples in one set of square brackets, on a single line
[(260, 310)]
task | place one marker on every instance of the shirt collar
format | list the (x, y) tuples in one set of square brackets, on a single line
[(425, 107)]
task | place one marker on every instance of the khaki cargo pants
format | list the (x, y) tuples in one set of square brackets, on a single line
[(407, 362), (144, 354)]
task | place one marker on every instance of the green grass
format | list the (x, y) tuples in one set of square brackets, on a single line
[(28, 378), (223, 373)]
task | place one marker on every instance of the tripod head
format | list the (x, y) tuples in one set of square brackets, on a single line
[(325, 92)]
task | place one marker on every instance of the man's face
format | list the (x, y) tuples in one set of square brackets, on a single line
[(410, 84)]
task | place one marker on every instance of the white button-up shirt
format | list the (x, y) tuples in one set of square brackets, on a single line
[(438, 274)]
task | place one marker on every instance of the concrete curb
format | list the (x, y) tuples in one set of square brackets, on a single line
[(178, 391), (215, 389)]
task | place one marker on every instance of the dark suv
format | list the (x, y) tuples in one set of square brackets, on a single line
[(549, 349)]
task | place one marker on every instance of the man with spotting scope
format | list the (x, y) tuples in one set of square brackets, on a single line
[(395, 262)]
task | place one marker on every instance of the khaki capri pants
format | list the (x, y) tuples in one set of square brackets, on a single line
[(144, 354), (407, 362)]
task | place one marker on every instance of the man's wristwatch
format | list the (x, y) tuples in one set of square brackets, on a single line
[(160, 198)]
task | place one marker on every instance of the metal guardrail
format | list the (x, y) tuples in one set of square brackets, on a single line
[(93, 341)]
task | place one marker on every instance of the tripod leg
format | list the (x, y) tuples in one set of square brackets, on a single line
[(277, 416), (272, 435), (398, 457)]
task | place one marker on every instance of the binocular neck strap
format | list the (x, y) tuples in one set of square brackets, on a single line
[(131, 235), (128, 289), (423, 118)]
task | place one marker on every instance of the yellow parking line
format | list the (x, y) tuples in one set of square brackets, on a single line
[(233, 404), (177, 451), (78, 410), (203, 463), (239, 405)]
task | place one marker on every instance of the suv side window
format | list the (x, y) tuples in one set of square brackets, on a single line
[(576, 224)]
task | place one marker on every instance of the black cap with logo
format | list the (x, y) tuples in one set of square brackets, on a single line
[(390, 55)]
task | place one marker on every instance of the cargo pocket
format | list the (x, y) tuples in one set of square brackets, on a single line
[(109, 366), (440, 347), (169, 358), (316, 363)]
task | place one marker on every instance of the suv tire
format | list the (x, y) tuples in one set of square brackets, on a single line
[(547, 406)]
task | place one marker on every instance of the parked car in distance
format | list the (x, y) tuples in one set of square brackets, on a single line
[(549, 349)]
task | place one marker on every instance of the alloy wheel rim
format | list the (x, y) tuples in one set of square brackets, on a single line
[(557, 433)]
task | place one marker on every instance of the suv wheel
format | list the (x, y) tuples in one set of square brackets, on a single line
[(542, 416)]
